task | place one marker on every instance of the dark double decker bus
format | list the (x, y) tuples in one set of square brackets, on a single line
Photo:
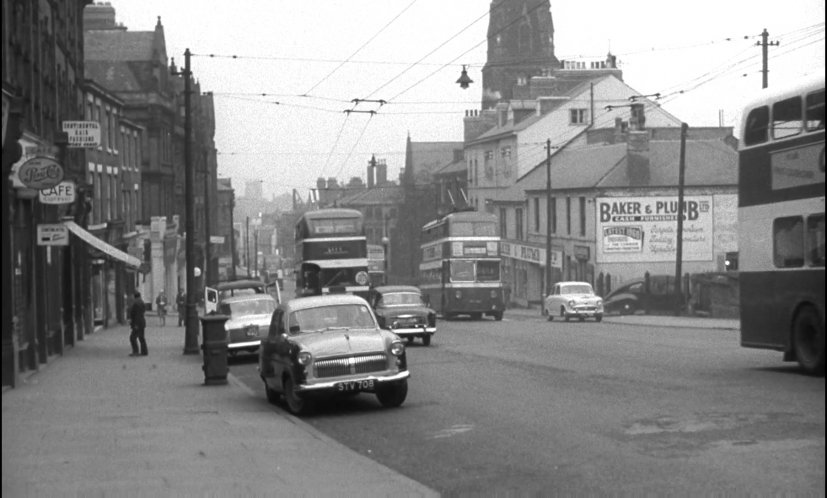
[(331, 253), (460, 266)]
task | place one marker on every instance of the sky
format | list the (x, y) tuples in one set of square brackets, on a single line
[(284, 73)]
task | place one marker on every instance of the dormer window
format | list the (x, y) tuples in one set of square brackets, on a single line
[(578, 116)]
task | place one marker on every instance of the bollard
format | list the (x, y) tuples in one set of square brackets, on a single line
[(214, 346)]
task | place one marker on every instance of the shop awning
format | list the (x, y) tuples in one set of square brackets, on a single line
[(102, 246)]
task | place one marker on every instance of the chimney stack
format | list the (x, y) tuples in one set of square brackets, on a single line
[(637, 149), (372, 171), (381, 173)]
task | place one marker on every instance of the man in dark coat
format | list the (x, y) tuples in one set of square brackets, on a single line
[(137, 321)]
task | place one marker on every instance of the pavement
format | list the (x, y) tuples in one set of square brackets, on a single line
[(97, 422)]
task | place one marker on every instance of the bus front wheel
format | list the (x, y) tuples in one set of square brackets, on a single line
[(808, 341)]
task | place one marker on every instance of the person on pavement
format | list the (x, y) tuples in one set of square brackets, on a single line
[(161, 303), (137, 322), (181, 306)]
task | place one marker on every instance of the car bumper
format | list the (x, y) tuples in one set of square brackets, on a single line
[(587, 312), (331, 385), (414, 331), (244, 345)]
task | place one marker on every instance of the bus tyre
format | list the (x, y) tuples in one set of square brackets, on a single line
[(393, 395), (808, 341)]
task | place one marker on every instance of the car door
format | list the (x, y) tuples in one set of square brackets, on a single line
[(268, 347)]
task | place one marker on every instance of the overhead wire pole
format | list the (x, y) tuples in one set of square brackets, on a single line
[(191, 323), (679, 235), (764, 57)]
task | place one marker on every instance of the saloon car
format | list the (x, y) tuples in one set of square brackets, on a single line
[(401, 309), (330, 345), (573, 300), (248, 322)]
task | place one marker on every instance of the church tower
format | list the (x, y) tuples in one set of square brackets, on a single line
[(520, 45)]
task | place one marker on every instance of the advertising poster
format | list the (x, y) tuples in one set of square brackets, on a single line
[(644, 229)]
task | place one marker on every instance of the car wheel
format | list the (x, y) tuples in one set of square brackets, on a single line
[(598, 318), (410, 340), (498, 316), (295, 404), (564, 315), (393, 395), (550, 317), (426, 339), (272, 396), (476, 316), (808, 341), (628, 308)]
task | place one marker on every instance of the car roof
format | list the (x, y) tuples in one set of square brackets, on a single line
[(397, 288), (302, 303), (248, 297), (239, 284)]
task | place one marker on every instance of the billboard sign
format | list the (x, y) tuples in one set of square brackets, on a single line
[(83, 133), (644, 229)]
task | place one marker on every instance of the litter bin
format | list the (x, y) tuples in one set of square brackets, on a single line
[(214, 346)]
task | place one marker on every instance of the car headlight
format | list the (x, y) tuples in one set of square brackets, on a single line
[(397, 348), (572, 303), (304, 358), (458, 294), (395, 324), (362, 278)]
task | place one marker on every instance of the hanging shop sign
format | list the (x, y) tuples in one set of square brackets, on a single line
[(52, 234), (40, 172), (62, 193)]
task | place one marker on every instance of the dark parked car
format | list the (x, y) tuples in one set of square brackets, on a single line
[(631, 297), (330, 345), (401, 309)]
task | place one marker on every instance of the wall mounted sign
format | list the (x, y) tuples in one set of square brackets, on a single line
[(62, 193), (40, 172)]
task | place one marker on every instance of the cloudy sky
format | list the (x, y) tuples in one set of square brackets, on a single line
[(284, 72)]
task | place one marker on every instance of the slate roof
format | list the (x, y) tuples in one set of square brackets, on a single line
[(118, 45), (451, 169), (708, 163), (430, 157), (378, 196)]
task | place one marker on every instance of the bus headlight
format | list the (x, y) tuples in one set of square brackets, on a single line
[(362, 278)]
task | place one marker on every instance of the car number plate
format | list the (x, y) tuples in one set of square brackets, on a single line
[(252, 330), (354, 385)]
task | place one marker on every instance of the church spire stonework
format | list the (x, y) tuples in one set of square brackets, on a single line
[(520, 45)]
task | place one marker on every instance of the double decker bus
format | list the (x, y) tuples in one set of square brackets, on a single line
[(781, 223), (331, 253), (460, 265)]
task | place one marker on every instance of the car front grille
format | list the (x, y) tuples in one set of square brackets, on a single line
[(373, 362)]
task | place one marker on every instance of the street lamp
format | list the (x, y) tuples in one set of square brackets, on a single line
[(191, 323)]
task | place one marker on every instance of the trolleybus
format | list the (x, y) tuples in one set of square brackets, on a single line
[(460, 265), (781, 223), (331, 253)]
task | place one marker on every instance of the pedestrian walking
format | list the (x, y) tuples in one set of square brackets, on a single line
[(161, 304), (181, 306), (137, 322)]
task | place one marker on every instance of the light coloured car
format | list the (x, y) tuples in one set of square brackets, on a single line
[(573, 300), (330, 345), (248, 322)]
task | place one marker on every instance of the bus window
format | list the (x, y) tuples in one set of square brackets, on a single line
[(788, 242), (815, 111), (462, 271), (786, 118), (488, 271), (815, 239), (755, 131)]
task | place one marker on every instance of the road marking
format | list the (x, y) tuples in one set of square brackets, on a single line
[(452, 431)]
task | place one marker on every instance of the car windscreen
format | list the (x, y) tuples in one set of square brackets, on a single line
[(252, 307), (339, 316), (401, 299), (576, 289)]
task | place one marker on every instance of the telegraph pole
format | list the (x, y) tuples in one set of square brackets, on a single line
[(679, 235), (764, 49), (548, 220)]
